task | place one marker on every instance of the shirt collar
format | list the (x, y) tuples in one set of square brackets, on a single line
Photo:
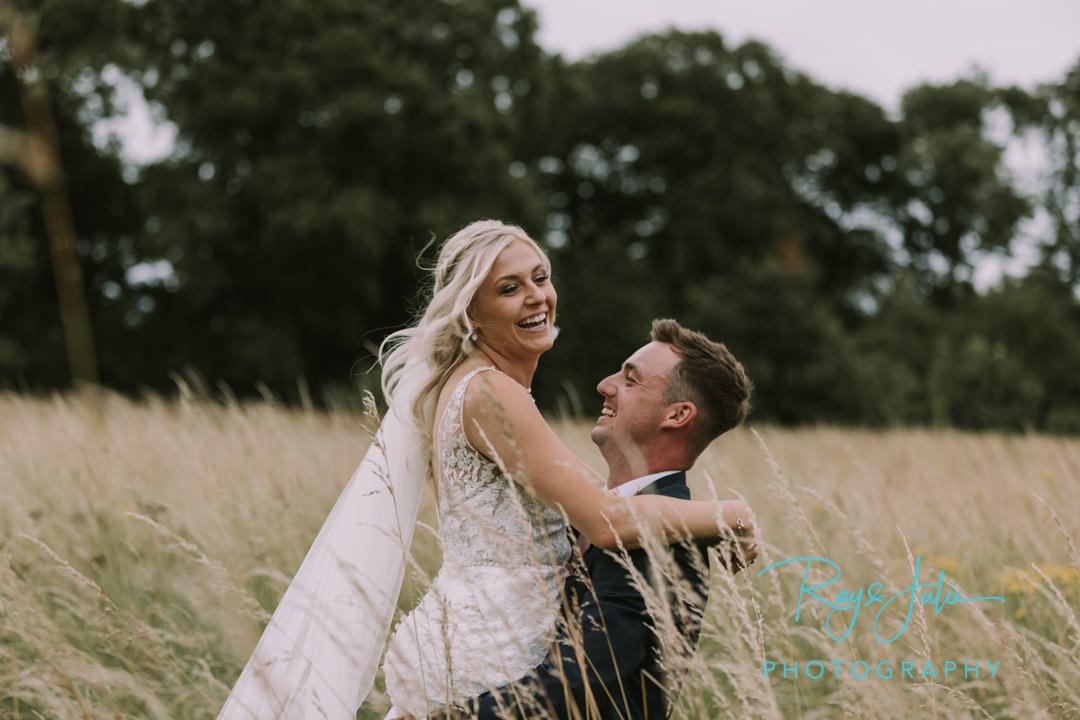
[(628, 489)]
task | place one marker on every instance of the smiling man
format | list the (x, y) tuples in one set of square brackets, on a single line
[(669, 400)]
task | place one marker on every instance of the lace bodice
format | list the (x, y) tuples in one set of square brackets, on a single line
[(485, 518), (490, 612)]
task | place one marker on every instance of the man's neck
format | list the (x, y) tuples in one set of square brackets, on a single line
[(615, 480), (629, 462), (620, 473)]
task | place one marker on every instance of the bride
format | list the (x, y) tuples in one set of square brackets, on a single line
[(460, 410)]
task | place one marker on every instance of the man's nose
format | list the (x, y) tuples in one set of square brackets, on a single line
[(604, 386)]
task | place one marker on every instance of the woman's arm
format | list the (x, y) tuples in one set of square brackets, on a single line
[(503, 423)]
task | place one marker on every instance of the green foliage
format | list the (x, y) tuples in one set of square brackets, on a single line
[(322, 146), (955, 197), (1059, 126), (1000, 360), (31, 349)]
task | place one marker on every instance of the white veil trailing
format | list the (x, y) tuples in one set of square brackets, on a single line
[(319, 653)]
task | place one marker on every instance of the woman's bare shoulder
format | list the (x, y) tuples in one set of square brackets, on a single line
[(495, 393)]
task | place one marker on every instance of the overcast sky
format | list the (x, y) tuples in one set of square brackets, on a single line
[(875, 47)]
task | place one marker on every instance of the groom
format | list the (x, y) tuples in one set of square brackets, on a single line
[(661, 410)]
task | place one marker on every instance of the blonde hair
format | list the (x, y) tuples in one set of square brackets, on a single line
[(426, 354)]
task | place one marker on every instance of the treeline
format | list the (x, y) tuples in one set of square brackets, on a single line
[(322, 145)]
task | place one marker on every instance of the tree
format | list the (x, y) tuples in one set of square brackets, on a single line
[(677, 167), (955, 196), (1053, 112), (44, 105), (321, 146)]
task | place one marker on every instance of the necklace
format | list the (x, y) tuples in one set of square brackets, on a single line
[(497, 369), (528, 390)]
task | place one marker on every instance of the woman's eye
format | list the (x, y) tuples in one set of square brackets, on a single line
[(540, 280), (508, 289)]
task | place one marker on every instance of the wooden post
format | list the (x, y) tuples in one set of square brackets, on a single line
[(40, 156)]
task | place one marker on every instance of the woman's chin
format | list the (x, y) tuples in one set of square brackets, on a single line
[(548, 341), (539, 349), (537, 342)]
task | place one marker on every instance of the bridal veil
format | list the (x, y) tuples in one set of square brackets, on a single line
[(318, 655)]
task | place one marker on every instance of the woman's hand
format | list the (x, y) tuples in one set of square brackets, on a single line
[(741, 555), (740, 537), (740, 548), (738, 517)]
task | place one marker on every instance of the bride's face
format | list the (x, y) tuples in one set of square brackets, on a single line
[(514, 309)]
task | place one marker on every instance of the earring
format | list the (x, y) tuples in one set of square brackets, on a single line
[(474, 337)]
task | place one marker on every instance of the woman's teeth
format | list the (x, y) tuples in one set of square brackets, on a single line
[(534, 322)]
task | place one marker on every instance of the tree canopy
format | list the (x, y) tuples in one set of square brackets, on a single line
[(323, 148)]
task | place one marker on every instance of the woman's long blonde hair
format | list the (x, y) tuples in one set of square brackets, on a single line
[(418, 360)]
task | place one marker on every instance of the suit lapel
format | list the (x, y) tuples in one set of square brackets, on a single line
[(664, 485), (673, 485)]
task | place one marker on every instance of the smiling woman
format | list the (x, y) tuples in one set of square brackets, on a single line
[(513, 312)]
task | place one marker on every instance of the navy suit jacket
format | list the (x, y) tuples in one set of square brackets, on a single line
[(620, 674)]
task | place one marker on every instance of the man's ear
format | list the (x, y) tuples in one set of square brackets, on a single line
[(679, 415)]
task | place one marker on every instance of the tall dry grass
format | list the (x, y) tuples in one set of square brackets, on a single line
[(142, 544)]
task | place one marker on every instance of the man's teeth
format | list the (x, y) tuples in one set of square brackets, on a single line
[(534, 322), (607, 412)]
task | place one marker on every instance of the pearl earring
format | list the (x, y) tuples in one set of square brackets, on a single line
[(474, 337)]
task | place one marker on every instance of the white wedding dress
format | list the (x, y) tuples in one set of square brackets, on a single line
[(490, 611)]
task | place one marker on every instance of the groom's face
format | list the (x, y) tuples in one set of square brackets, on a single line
[(633, 399)]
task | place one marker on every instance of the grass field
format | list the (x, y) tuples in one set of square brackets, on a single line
[(142, 544)]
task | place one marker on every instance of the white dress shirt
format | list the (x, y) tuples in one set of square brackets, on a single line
[(633, 487)]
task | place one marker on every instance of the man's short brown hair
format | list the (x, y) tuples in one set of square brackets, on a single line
[(707, 375)]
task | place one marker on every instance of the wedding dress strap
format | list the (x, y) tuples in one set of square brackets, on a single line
[(464, 382), (452, 420), (459, 393), (451, 413)]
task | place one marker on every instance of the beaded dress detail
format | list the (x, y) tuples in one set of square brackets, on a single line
[(490, 611)]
